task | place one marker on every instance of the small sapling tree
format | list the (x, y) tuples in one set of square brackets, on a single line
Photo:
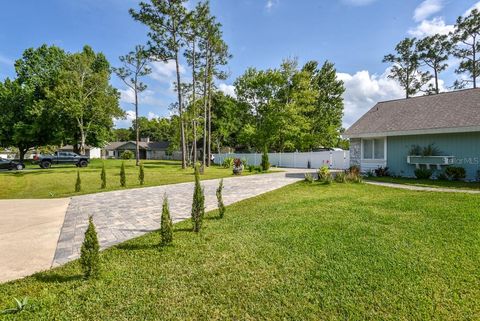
[(90, 252), (221, 206), (166, 228), (198, 204)]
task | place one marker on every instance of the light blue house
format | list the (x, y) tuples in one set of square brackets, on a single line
[(388, 134)]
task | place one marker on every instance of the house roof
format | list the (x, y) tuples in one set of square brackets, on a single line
[(70, 147), (456, 111), (143, 145)]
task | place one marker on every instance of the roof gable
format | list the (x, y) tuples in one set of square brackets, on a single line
[(457, 110)]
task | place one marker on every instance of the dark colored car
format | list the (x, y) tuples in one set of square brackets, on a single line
[(11, 164), (46, 161)]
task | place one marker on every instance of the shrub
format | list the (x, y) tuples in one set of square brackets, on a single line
[(265, 163), (341, 177), (123, 177), (423, 173), (455, 172), (141, 174), (228, 162), (354, 177), (355, 170), (309, 177), (244, 162), (198, 204), (258, 169), (415, 150), (127, 154), (78, 183), (429, 150), (221, 206), (166, 225), (237, 166), (103, 177), (90, 252), (382, 172), (251, 168), (324, 174)]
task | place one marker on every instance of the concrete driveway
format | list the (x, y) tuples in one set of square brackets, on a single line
[(29, 231)]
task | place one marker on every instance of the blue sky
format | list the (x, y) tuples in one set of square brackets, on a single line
[(354, 34)]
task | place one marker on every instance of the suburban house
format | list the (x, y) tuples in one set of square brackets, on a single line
[(148, 149), (393, 134), (90, 151)]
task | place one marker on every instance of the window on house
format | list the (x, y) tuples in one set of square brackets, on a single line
[(374, 148)]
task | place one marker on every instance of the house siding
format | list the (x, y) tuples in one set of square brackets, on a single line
[(464, 146)]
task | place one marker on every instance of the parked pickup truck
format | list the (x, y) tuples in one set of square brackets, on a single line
[(45, 161)]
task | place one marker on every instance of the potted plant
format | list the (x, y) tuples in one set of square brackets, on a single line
[(237, 166)]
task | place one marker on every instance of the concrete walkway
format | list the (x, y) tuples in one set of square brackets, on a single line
[(125, 214), (29, 230), (423, 188)]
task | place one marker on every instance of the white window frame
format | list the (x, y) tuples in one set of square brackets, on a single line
[(373, 159)]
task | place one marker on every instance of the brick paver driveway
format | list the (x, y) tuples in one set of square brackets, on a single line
[(125, 214)]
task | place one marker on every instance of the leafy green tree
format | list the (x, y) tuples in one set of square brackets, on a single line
[(466, 36), (167, 21), (198, 204), (434, 51), (405, 67), (85, 97), (166, 228), (103, 176), (78, 183), (121, 134), (135, 66), (123, 176), (90, 252)]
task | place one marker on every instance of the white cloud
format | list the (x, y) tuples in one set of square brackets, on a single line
[(270, 4), (475, 6), (358, 3), (426, 9), (227, 89), (430, 27), (152, 115), (164, 71), (363, 91), (146, 97), (127, 122)]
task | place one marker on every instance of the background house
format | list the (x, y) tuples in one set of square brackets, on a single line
[(90, 151), (148, 149), (384, 136)]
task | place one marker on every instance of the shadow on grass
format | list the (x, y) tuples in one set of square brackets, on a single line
[(57, 278), (138, 247), (183, 229)]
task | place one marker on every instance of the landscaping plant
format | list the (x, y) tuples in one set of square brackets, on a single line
[(141, 174), (123, 177), (228, 162), (324, 174), (455, 172), (198, 204), (19, 306), (166, 227), (265, 163), (78, 183), (423, 173), (90, 252), (128, 154), (221, 206), (382, 172), (309, 177), (103, 176), (341, 177)]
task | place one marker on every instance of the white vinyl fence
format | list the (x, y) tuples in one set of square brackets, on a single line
[(333, 159)]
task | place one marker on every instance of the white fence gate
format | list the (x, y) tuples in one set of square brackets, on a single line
[(333, 159)]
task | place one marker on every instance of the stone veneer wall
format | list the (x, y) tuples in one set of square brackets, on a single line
[(355, 151)]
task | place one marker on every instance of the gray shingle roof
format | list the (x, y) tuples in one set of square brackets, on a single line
[(143, 145), (451, 110)]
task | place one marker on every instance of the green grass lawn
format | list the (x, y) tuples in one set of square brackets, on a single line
[(304, 252), (427, 182), (59, 181)]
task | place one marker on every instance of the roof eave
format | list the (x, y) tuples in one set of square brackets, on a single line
[(426, 131)]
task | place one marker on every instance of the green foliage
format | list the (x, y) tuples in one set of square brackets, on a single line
[(221, 206), (141, 174), (381, 171), (228, 162), (78, 183), (353, 174), (90, 252), (198, 204), (341, 177), (127, 154), (20, 306), (455, 172), (166, 228), (123, 177), (308, 177), (103, 176), (324, 174), (265, 163), (423, 173)]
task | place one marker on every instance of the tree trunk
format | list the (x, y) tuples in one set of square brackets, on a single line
[(474, 67), (21, 152), (205, 102), (194, 147), (436, 81), (180, 111), (137, 128), (209, 99)]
